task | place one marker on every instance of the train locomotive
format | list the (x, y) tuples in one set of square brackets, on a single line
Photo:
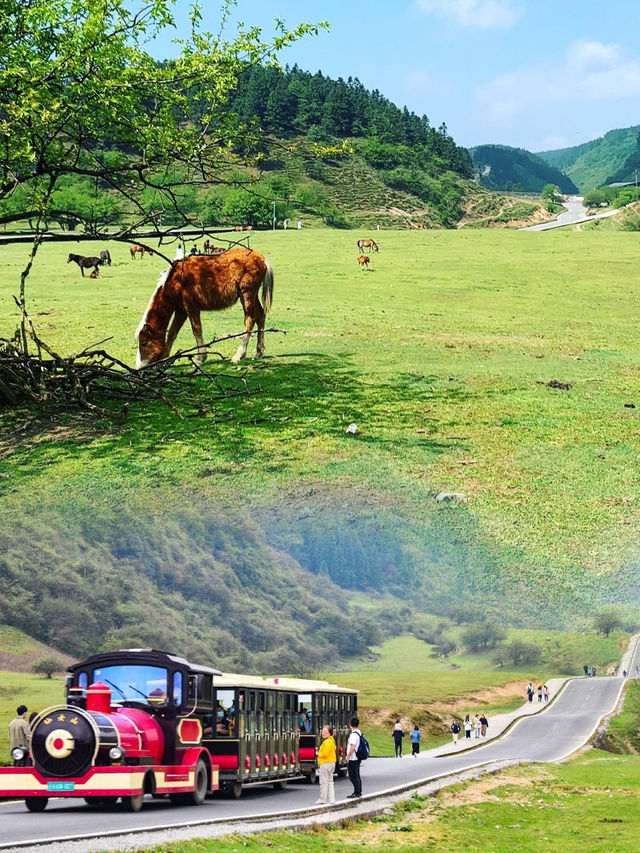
[(140, 721), (128, 728)]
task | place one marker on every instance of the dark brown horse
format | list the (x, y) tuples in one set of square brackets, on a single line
[(85, 263), (201, 283), (371, 245)]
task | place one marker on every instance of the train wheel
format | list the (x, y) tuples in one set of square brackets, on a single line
[(312, 778), (199, 793), (280, 786), (94, 801), (36, 804), (235, 790), (133, 802)]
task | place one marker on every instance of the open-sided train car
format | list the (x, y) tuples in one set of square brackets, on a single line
[(128, 728), (319, 704), (268, 729)]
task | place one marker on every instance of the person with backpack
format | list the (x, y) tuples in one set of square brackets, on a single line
[(356, 746), (415, 736), (398, 734), (455, 730)]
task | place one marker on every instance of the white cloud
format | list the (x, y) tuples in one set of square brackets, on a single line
[(482, 14), (590, 71), (585, 55)]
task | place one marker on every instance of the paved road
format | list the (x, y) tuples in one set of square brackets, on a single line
[(575, 212), (560, 729)]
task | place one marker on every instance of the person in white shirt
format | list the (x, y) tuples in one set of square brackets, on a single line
[(353, 762)]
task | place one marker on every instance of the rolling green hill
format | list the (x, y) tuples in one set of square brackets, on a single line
[(506, 169), (498, 366), (612, 157)]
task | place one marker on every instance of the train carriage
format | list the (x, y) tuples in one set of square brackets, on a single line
[(319, 704)]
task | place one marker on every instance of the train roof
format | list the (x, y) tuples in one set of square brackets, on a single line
[(150, 656), (299, 685)]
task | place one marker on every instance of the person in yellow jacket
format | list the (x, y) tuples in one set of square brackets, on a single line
[(326, 766)]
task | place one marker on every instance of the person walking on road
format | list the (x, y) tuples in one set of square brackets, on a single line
[(530, 692), (415, 734), (326, 766), (539, 692), (468, 725), (398, 734), (353, 762), (484, 725), (455, 730), (476, 724), (19, 729), (545, 690)]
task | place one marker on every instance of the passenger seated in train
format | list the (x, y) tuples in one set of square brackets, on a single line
[(222, 721), (308, 722)]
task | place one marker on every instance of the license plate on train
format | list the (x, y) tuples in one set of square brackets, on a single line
[(61, 786)]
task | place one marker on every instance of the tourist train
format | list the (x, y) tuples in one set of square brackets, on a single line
[(140, 721)]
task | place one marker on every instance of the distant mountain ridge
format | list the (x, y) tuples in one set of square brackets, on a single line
[(506, 169), (608, 159)]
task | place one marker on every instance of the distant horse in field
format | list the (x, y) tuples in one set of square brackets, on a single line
[(364, 261), (136, 248), (94, 274), (371, 245), (85, 263), (105, 257), (201, 283), (418, 225)]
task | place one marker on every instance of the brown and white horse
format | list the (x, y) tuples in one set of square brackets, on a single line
[(371, 245), (202, 283)]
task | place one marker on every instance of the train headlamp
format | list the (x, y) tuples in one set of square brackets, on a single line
[(18, 753), (116, 753)]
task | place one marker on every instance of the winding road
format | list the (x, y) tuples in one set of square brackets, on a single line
[(575, 212), (557, 731)]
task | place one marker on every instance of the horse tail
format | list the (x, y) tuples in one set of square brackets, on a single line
[(267, 288), (108, 257)]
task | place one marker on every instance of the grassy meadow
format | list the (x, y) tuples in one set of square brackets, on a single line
[(590, 803), (441, 355)]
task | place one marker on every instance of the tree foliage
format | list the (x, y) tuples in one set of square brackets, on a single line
[(607, 621), (82, 95), (48, 666)]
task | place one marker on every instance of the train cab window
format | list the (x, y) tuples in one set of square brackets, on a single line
[(177, 688), (305, 712), (148, 684), (225, 713), (83, 680), (201, 689)]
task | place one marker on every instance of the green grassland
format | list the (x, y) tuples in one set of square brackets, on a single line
[(441, 354), (409, 682), (34, 691), (590, 803)]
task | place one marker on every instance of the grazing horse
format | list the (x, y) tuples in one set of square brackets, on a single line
[(200, 283), (136, 247), (105, 257), (419, 225), (85, 263), (371, 245), (364, 261)]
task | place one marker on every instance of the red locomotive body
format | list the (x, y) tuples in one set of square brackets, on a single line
[(128, 729)]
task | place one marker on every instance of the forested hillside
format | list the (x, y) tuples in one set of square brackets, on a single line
[(612, 157), (329, 151), (506, 169)]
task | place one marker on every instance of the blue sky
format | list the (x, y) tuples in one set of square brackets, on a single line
[(531, 73)]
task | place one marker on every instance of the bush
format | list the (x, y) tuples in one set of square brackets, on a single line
[(48, 666)]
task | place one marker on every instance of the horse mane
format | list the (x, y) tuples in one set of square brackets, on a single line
[(164, 275)]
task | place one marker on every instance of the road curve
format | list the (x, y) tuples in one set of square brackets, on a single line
[(574, 214), (559, 730)]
